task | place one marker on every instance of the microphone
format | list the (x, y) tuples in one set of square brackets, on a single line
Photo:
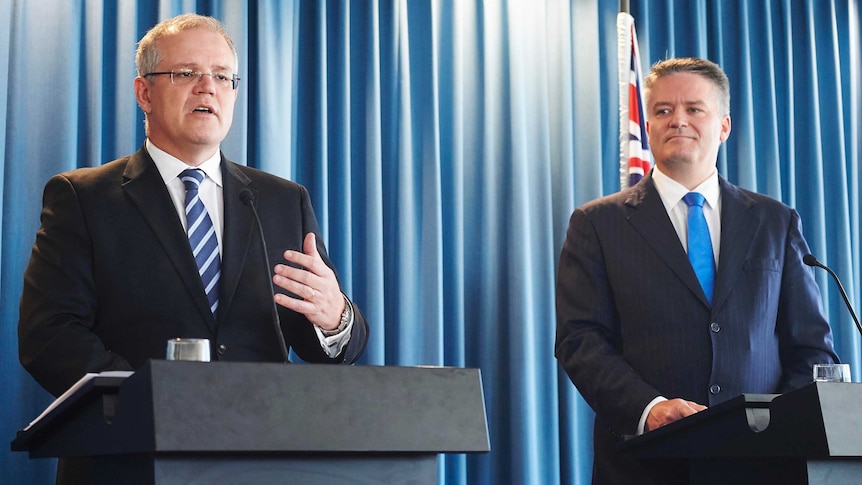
[(810, 260), (247, 198)]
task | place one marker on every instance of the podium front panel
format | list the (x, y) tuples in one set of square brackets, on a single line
[(232, 407)]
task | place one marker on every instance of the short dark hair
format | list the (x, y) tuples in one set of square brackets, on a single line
[(693, 65)]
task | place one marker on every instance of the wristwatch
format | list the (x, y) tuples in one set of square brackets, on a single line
[(346, 318)]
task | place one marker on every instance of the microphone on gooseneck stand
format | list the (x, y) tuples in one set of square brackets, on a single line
[(247, 198), (810, 260)]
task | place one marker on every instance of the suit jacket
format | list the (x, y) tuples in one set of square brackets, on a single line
[(633, 322), (111, 277)]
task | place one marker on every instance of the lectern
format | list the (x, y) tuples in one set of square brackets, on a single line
[(809, 436), (175, 422)]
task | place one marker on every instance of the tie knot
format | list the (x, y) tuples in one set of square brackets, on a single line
[(192, 178), (694, 198)]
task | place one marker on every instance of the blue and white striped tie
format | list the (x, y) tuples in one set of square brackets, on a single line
[(202, 236)]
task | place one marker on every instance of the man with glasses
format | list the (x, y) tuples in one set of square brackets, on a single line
[(164, 244)]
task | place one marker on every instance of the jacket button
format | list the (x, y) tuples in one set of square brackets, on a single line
[(715, 327), (222, 348), (714, 389)]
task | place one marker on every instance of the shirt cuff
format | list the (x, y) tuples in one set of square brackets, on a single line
[(334, 344), (647, 409)]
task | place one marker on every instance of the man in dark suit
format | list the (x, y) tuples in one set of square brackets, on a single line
[(644, 340), (112, 274)]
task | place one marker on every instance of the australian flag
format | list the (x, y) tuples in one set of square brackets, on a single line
[(634, 148)]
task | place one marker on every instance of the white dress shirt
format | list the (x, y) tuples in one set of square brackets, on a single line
[(671, 193), (211, 194)]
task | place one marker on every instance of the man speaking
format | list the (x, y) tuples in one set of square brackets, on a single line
[(160, 244)]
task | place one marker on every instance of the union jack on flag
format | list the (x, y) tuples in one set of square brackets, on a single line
[(634, 147)]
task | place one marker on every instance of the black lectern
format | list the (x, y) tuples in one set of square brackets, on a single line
[(177, 422), (809, 436)]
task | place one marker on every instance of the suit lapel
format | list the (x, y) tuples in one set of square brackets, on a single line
[(238, 229), (146, 189), (738, 228), (648, 216)]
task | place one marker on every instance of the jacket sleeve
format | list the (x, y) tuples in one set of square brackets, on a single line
[(588, 341), (805, 337), (55, 340)]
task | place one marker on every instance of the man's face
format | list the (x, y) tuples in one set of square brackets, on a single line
[(685, 124), (189, 121)]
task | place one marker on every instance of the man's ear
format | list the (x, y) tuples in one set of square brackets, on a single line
[(725, 129), (142, 94)]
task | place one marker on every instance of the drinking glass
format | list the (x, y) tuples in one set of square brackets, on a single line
[(197, 349), (832, 372)]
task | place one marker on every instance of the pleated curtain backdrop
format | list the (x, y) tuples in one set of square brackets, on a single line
[(445, 144)]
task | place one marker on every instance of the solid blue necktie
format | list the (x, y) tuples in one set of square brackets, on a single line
[(700, 244), (202, 236)]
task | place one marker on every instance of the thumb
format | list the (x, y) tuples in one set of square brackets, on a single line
[(309, 245)]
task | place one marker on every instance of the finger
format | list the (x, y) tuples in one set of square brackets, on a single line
[(318, 313), (309, 245), (309, 258), (296, 281), (299, 259), (298, 305), (684, 411), (299, 275), (688, 408), (696, 406)]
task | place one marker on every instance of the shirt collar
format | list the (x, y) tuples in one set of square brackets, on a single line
[(671, 191), (170, 166)]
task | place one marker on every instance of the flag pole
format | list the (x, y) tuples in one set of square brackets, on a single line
[(624, 6)]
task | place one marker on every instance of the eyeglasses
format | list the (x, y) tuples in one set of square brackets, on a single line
[(184, 77)]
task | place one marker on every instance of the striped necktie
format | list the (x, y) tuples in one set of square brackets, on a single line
[(202, 236), (700, 244)]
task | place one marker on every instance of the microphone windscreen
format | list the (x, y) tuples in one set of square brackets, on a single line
[(808, 259), (246, 196)]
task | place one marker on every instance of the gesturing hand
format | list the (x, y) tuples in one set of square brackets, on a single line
[(314, 282)]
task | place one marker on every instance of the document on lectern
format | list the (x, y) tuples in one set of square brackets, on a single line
[(75, 387)]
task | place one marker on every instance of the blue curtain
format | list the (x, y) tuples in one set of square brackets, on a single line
[(445, 144)]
